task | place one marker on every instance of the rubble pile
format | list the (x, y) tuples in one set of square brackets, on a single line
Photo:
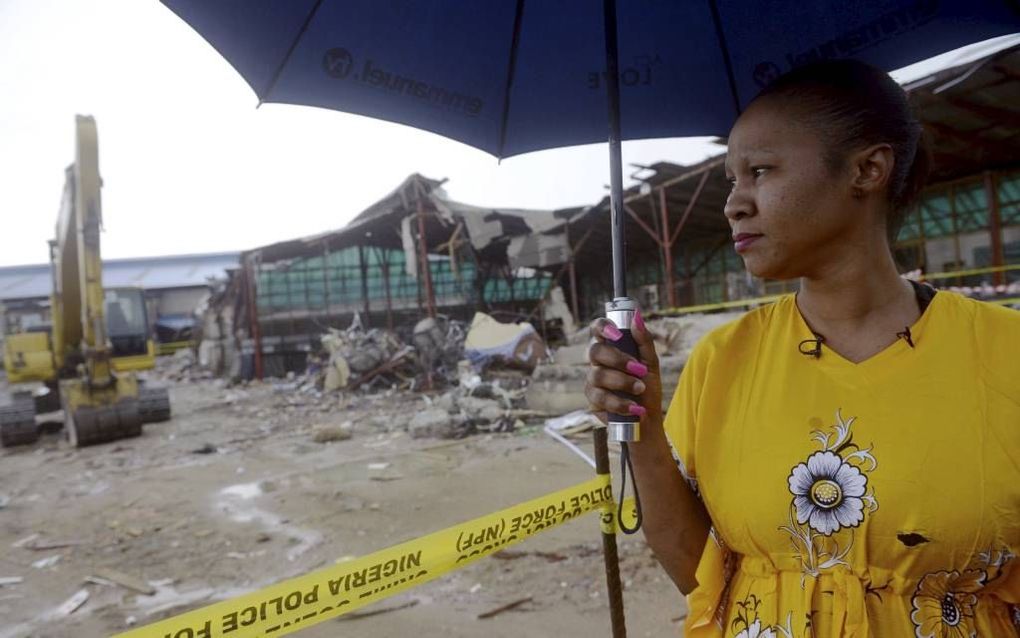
[(487, 377), (474, 405), (356, 357), (181, 366), (441, 349)]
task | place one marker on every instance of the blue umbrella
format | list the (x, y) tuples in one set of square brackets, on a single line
[(511, 77)]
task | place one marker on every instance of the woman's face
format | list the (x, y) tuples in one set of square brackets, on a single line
[(788, 210)]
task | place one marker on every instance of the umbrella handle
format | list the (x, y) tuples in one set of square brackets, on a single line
[(624, 428)]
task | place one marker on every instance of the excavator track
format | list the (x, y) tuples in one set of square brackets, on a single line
[(94, 425), (154, 404), (17, 423)]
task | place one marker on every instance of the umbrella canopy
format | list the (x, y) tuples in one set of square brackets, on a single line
[(510, 77)]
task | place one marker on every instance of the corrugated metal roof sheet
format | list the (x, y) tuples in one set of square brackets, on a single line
[(150, 273)]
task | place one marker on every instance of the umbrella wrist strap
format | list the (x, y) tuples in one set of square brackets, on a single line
[(627, 466)]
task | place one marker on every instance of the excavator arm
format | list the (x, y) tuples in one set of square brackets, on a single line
[(79, 330), (99, 405)]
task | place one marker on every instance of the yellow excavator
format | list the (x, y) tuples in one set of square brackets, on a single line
[(97, 339)]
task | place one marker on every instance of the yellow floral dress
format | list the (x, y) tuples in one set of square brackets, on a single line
[(873, 499)]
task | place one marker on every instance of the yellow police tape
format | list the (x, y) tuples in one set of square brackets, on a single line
[(306, 600)]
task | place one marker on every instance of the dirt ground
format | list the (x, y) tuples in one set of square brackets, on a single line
[(233, 494)]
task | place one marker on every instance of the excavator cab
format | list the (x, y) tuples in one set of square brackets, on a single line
[(127, 325)]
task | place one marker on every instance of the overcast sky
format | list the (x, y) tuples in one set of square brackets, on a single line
[(189, 165)]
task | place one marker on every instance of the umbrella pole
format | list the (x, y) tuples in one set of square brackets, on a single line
[(609, 550), (615, 153)]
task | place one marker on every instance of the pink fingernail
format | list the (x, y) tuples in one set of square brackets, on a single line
[(637, 368), (611, 332), (639, 322), (636, 409)]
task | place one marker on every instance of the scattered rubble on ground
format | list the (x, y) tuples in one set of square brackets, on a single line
[(490, 376)]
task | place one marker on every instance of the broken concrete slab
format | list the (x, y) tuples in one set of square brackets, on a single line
[(328, 433), (490, 342), (126, 581), (484, 410)]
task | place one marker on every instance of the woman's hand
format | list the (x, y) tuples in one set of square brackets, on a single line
[(675, 523), (614, 371)]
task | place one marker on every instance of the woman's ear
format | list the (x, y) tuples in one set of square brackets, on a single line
[(872, 170)]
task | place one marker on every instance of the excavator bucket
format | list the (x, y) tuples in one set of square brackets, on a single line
[(93, 416)]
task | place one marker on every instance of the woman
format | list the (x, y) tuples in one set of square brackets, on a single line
[(849, 456)]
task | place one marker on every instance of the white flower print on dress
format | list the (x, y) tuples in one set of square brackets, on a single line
[(755, 630), (747, 624), (827, 493), (831, 496)]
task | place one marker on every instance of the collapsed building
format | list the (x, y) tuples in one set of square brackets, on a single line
[(414, 254)]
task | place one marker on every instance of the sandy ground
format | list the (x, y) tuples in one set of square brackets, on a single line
[(269, 503)]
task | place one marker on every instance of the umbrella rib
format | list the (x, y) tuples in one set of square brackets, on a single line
[(290, 51), (726, 55), (510, 72)]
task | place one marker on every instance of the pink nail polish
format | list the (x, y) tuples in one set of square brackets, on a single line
[(637, 368), (636, 409), (639, 322), (611, 332)]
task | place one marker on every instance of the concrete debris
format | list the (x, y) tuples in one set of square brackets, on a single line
[(31, 538), (125, 581), (49, 561), (73, 603), (329, 433), (573, 423), (491, 343), (474, 405), (435, 423), (440, 345), (485, 410), (364, 357), (338, 372), (53, 545), (6, 581), (181, 366), (555, 307)]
